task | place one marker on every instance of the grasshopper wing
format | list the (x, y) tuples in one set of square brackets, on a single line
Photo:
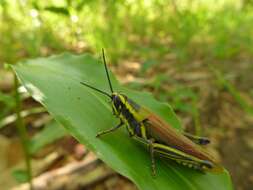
[(165, 134)]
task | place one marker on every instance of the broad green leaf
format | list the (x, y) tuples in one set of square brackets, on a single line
[(55, 82)]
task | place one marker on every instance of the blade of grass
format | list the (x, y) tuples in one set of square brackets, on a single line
[(232, 90), (23, 133)]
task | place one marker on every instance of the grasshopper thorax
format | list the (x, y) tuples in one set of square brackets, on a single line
[(124, 106)]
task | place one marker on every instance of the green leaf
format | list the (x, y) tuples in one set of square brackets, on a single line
[(7, 99), (58, 10), (20, 175), (55, 82), (49, 134)]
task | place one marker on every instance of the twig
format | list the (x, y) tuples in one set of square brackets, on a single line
[(78, 174), (24, 113)]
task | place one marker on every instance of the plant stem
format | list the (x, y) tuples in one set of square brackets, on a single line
[(198, 130), (23, 133)]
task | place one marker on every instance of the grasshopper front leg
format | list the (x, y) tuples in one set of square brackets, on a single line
[(110, 130)]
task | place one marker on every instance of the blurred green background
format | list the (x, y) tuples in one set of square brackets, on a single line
[(208, 30), (196, 55)]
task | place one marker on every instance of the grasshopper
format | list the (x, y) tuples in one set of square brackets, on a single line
[(148, 128)]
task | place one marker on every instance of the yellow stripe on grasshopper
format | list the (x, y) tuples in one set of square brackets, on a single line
[(143, 131)]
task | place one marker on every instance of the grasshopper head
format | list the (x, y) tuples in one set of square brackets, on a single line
[(117, 102)]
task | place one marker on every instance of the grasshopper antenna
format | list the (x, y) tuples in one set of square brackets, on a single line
[(96, 89), (106, 70)]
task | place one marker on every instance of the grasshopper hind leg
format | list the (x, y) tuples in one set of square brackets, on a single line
[(196, 139), (173, 154), (182, 158)]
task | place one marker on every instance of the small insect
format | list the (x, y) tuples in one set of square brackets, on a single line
[(159, 136)]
